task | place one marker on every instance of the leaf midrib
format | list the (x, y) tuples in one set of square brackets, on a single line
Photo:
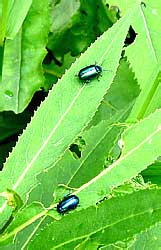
[(60, 120)]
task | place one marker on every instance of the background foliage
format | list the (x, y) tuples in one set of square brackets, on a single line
[(97, 140)]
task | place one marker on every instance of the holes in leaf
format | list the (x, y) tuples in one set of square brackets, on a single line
[(77, 148), (103, 199), (130, 36)]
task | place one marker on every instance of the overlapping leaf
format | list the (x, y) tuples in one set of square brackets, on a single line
[(138, 152), (120, 218), (98, 141), (52, 129), (144, 54)]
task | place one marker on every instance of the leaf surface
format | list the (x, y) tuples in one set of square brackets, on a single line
[(120, 218), (52, 129), (150, 239), (140, 141), (98, 141), (22, 73), (17, 11), (144, 54)]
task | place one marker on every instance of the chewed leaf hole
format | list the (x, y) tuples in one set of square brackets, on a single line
[(77, 148), (130, 36)]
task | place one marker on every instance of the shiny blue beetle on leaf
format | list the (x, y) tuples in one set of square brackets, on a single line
[(68, 203), (90, 72)]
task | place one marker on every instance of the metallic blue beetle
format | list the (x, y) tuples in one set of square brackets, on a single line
[(90, 72), (69, 203)]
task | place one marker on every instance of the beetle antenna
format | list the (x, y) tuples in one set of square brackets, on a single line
[(109, 70)]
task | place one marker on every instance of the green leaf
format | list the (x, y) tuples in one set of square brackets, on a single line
[(147, 48), (52, 129), (12, 16), (121, 217), (22, 72), (153, 173), (140, 149), (121, 95), (7, 213), (18, 10), (52, 71), (29, 215), (3, 19), (144, 54), (154, 96), (62, 27), (98, 141), (150, 239), (82, 19), (73, 172)]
